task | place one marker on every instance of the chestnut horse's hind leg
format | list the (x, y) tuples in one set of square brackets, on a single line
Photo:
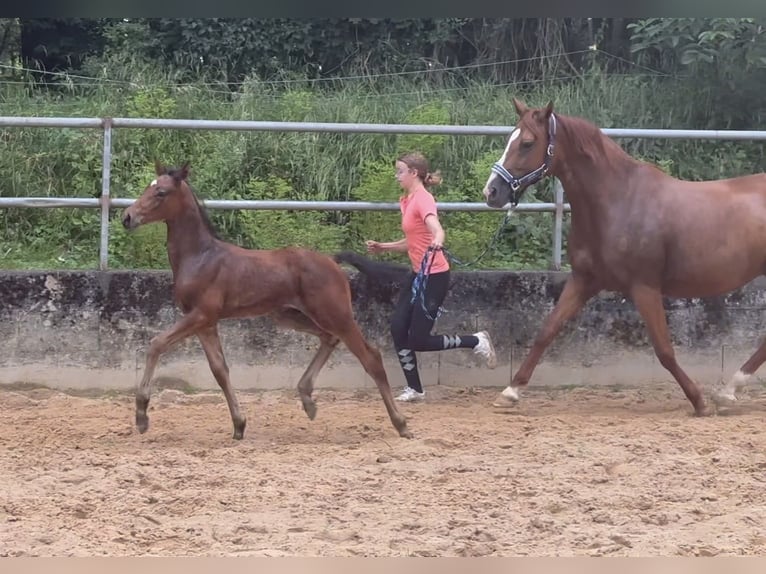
[(576, 293), (211, 344), (648, 302), (294, 319), (729, 390), (183, 328)]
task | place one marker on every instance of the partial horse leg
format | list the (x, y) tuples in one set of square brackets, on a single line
[(577, 291), (306, 382), (728, 392), (373, 363), (294, 319), (648, 302), (184, 327), (211, 344), (330, 310)]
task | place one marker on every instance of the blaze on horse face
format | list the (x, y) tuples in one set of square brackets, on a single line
[(527, 151), (160, 200)]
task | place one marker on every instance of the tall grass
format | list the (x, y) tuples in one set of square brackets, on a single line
[(325, 166)]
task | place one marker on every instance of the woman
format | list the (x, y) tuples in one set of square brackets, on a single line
[(410, 324)]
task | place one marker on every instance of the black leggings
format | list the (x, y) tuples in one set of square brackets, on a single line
[(411, 327)]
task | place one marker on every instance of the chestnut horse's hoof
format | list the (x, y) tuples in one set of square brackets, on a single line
[(507, 399)]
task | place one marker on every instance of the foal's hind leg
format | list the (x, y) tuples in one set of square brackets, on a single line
[(294, 319), (648, 301), (211, 344), (373, 363), (306, 382), (184, 327), (330, 309)]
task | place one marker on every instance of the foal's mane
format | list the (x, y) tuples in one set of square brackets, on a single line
[(172, 172)]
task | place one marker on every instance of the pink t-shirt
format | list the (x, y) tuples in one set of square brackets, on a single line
[(415, 208)]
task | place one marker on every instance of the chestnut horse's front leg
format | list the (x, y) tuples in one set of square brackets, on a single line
[(577, 291)]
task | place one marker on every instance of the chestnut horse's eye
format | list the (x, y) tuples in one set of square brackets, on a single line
[(527, 144), (161, 192)]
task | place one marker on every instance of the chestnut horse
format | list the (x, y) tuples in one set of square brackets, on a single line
[(213, 280), (634, 230)]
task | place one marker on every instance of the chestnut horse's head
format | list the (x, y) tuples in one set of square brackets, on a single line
[(161, 200), (527, 157)]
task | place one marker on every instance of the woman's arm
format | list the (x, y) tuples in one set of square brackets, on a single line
[(436, 229), (376, 246)]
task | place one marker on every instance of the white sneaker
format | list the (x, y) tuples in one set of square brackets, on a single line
[(409, 395), (485, 348)]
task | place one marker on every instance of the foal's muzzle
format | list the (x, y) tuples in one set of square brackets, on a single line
[(128, 221)]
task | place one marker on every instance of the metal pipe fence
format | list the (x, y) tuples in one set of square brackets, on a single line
[(105, 202)]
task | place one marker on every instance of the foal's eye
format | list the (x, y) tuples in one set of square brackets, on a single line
[(161, 192)]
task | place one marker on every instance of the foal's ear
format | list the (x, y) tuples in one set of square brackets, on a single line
[(548, 109), (520, 107), (183, 172), (159, 169)]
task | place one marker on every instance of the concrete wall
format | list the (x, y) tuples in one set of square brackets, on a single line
[(90, 329)]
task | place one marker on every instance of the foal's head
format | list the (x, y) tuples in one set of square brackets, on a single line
[(163, 198), (527, 156)]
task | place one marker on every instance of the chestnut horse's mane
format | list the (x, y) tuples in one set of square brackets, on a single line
[(591, 141)]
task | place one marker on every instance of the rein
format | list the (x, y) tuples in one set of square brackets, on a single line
[(516, 183), (421, 278)]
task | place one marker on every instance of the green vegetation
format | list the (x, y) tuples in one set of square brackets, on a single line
[(326, 166)]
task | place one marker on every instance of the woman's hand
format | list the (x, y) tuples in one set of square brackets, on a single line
[(374, 246)]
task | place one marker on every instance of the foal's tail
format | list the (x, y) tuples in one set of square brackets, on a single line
[(382, 271)]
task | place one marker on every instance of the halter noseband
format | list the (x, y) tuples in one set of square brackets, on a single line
[(532, 177)]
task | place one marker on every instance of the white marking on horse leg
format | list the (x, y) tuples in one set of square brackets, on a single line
[(507, 398), (511, 393), (730, 389)]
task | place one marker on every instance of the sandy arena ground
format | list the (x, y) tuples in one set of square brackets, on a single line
[(583, 471)]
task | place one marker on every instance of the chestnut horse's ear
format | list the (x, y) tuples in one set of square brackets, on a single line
[(159, 169), (520, 107), (549, 109)]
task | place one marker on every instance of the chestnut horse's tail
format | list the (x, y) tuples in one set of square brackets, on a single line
[(382, 271)]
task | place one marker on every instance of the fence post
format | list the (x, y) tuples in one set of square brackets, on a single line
[(558, 223), (106, 173)]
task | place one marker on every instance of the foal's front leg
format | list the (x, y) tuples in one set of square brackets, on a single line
[(211, 344), (183, 328)]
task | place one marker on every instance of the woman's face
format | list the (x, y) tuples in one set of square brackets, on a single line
[(405, 175)]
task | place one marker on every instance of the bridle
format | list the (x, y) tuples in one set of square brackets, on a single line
[(532, 177)]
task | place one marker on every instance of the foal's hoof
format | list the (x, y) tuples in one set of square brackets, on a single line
[(142, 423), (705, 411), (239, 429), (310, 407), (406, 433)]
